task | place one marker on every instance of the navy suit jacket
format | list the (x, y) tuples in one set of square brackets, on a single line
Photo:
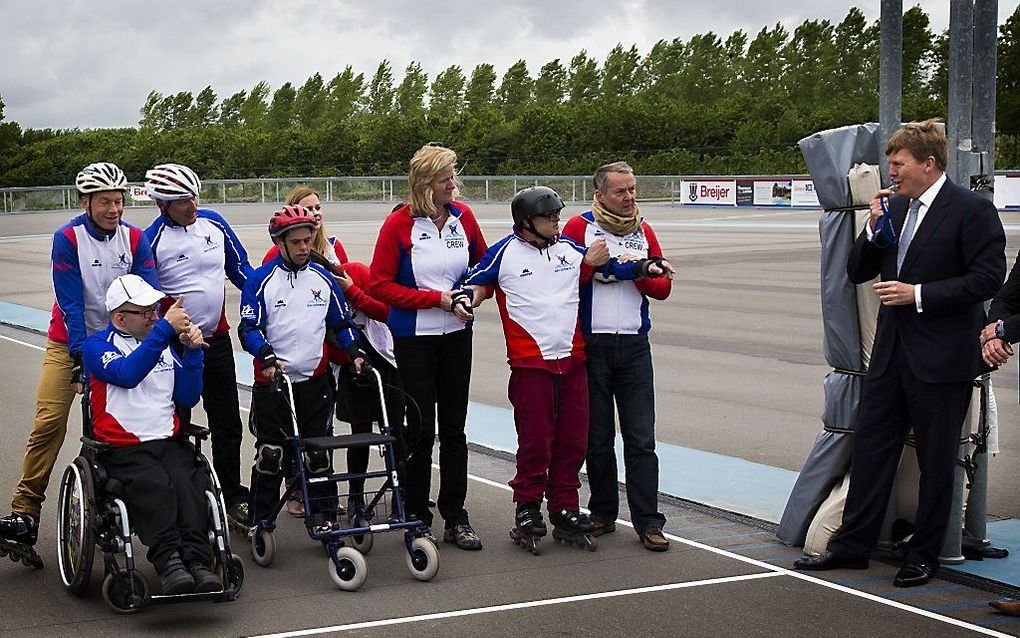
[(958, 255)]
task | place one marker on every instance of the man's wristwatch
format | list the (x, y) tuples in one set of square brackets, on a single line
[(1000, 330)]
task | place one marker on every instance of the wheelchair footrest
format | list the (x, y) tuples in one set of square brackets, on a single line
[(367, 439)]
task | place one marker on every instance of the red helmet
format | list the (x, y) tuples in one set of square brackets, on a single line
[(289, 218)]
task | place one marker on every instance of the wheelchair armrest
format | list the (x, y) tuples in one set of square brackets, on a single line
[(92, 444), (199, 432)]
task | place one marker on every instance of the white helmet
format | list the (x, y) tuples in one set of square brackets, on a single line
[(168, 182), (101, 176)]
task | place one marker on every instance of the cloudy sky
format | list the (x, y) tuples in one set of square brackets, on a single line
[(76, 63)]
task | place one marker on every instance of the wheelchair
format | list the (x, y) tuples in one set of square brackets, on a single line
[(91, 512), (347, 546)]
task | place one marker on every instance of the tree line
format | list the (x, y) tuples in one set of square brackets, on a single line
[(712, 105)]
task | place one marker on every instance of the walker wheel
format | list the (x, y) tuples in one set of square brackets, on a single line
[(348, 568)]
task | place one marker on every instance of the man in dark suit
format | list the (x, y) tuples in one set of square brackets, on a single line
[(948, 259)]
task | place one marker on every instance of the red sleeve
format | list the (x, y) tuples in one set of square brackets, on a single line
[(271, 254), (658, 287), (386, 264), (476, 241), (341, 254), (356, 295), (575, 229)]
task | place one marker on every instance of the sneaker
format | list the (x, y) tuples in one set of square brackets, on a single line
[(239, 514), (463, 536), (295, 507), (174, 578), (654, 540), (205, 580), (602, 528)]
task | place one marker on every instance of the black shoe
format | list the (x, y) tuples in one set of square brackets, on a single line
[(20, 528), (914, 573), (205, 580), (174, 578), (827, 560), (463, 536)]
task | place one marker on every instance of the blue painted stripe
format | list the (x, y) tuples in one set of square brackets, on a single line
[(740, 548), (917, 591), (974, 603), (1001, 620), (719, 538)]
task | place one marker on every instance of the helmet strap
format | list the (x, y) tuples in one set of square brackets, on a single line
[(548, 241)]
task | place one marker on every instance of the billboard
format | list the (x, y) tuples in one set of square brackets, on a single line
[(772, 192), (709, 192), (804, 193), (1007, 190), (138, 194)]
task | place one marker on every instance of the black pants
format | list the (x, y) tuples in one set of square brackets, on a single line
[(358, 404), (219, 398), (165, 497), (620, 368), (313, 403), (436, 372), (890, 404)]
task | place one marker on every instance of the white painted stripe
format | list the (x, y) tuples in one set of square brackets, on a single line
[(795, 574), (513, 606), (23, 343)]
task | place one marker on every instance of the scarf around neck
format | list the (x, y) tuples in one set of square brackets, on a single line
[(620, 225)]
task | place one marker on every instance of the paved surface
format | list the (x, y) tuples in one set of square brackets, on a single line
[(738, 359)]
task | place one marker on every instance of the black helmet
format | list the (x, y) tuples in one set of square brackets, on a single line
[(537, 201)]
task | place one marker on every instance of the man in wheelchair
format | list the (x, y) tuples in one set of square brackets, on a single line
[(135, 377)]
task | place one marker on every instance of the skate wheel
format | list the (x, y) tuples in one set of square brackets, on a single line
[(232, 576), (362, 542), (117, 592), (263, 547), (423, 559), (592, 543), (348, 568)]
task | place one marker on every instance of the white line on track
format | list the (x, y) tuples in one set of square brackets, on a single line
[(23, 343), (772, 570), (513, 606)]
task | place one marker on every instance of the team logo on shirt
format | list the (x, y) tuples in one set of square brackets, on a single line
[(247, 312), (455, 239), (280, 303), (163, 365), (182, 257), (316, 299), (526, 273), (108, 357), (96, 263), (424, 236), (209, 243), (563, 265), (122, 262)]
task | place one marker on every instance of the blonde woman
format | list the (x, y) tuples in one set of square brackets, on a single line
[(424, 248)]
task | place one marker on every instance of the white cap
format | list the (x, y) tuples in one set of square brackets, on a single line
[(131, 289)]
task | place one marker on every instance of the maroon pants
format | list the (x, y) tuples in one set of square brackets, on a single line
[(551, 415)]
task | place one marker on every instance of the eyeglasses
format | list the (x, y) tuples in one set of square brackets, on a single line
[(148, 313)]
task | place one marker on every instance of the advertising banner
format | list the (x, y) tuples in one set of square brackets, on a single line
[(709, 192), (745, 192), (804, 193), (772, 192), (1007, 190), (138, 194)]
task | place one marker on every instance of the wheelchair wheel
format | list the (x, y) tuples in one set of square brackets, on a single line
[(362, 542), (117, 592), (75, 543), (231, 575), (263, 547), (348, 568), (423, 559)]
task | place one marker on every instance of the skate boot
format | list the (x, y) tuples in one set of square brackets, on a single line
[(529, 527), (18, 533), (575, 528)]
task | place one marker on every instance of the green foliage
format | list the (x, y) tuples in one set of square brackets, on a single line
[(710, 104)]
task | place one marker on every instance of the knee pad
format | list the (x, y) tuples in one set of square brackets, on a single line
[(269, 459), (317, 461)]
